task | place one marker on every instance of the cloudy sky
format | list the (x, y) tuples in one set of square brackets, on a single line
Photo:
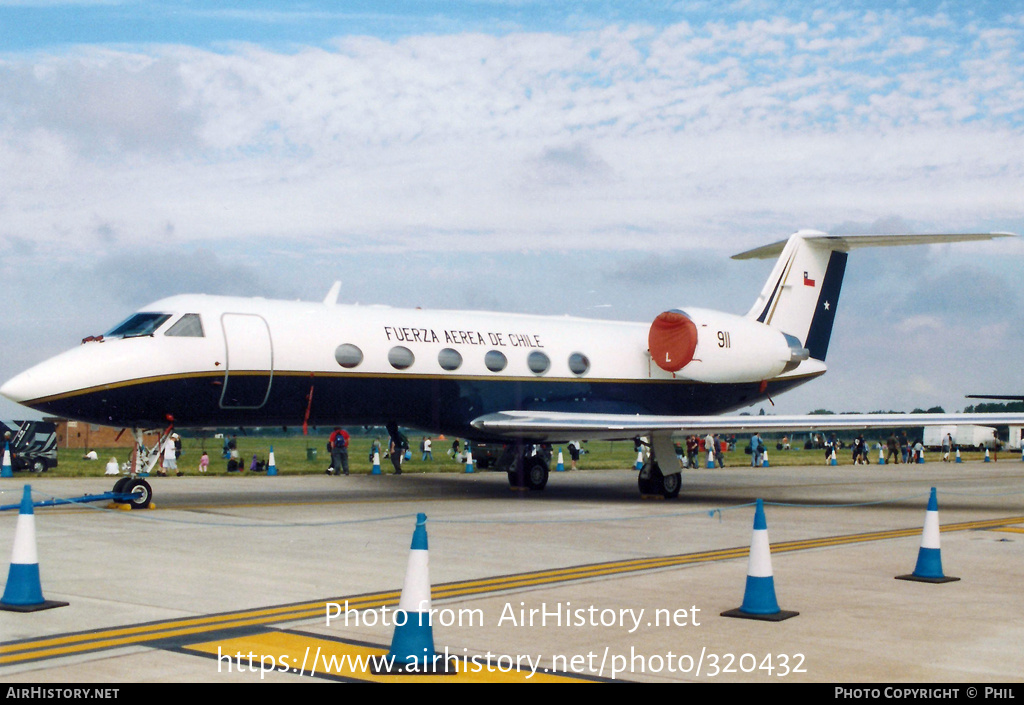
[(593, 158)]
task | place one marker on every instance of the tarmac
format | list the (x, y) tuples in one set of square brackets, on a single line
[(246, 579)]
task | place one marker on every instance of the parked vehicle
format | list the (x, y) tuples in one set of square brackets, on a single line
[(33, 444), (968, 436)]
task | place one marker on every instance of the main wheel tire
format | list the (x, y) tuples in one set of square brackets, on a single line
[(643, 480), (671, 484), (537, 475), (650, 481)]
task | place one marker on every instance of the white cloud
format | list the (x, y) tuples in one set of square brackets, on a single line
[(450, 134), (914, 323)]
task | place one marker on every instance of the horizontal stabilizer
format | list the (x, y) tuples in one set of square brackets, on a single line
[(801, 295), (845, 243)]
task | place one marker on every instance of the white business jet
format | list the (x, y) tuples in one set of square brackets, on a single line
[(214, 361)]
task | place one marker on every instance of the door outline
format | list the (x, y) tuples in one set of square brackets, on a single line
[(253, 330)]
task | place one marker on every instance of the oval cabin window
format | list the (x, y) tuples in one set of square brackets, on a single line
[(348, 356), (579, 363), (401, 358), (449, 359), (495, 360), (538, 362)]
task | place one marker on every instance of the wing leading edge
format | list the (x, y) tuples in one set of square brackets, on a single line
[(559, 425)]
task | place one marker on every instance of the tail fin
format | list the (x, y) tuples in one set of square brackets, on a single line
[(801, 295)]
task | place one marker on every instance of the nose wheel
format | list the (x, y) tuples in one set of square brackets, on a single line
[(139, 495)]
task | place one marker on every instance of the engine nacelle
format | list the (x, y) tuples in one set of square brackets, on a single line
[(672, 340), (710, 346)]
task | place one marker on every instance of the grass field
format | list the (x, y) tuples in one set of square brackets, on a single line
[(296, 455)]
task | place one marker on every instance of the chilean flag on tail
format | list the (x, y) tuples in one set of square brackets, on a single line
[(807, 280)]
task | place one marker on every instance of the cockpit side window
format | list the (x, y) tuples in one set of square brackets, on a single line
[(138, 324), (188, 326)]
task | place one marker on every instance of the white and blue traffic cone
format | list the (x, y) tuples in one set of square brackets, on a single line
[(560, 467), (271, 463), (469, 461), (412, 645), (24, 592), (711, 459), (881, 455), (764, 461), (920, 457), (376, 463), (958, 458), (639, 460), (929, 556), (759, 600), (7, 470), (987, 458), (832, 460)]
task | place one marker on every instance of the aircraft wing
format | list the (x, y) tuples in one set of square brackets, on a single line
[(554, 425)]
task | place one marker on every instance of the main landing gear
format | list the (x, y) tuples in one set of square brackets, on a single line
[(527, 465), (651, 481)]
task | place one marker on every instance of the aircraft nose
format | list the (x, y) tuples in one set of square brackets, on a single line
[(57, 375), (20, 388)]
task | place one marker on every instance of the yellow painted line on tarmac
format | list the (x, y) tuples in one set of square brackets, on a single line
[(310, 655), (68, 644)]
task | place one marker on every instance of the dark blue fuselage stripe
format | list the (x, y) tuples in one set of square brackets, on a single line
[(438, 404)]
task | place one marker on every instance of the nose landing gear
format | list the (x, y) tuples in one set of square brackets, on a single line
[(135, 491)]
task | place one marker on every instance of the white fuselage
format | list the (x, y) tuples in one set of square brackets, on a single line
[(258, 362)]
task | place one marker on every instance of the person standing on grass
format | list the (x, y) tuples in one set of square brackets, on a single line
[(338, 445)]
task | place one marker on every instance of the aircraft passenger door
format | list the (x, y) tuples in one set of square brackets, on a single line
[(249, 361)]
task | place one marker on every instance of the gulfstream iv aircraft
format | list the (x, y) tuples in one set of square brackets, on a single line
[(215, 361)]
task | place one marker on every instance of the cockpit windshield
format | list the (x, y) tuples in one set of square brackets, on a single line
[(188, 326), (137, 325)]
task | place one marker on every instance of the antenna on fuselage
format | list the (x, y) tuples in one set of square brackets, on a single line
[(332, 295)]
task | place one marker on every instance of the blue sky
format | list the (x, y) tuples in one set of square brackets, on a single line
[(47, 24), (592, 158)]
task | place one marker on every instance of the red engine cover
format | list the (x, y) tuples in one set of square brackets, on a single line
[(672, 340)]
